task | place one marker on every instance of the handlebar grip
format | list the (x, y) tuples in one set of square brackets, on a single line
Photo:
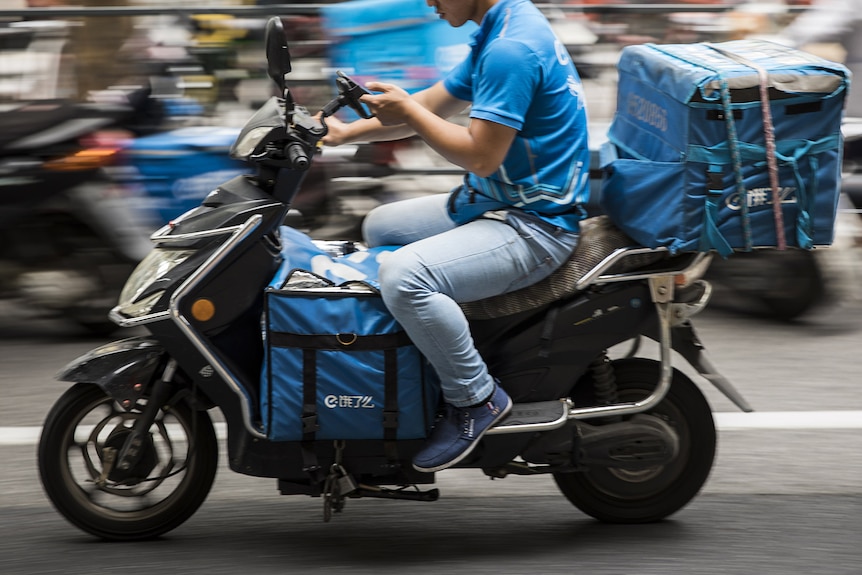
[(297, 157)]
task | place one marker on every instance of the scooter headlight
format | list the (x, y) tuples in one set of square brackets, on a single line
[(137, 298), (249, 142)]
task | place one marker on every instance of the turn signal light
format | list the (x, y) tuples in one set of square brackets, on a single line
[(203, 309)]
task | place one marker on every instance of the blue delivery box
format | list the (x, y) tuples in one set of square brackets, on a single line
[(398, 41), (337, 365), (728, 146)]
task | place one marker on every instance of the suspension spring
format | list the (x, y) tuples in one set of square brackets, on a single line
[(604, 382)]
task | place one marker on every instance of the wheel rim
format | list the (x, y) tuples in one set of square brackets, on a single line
[(161, 476), (630, 485)]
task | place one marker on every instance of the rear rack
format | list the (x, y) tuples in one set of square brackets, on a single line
[(685, 264), (662, 277)]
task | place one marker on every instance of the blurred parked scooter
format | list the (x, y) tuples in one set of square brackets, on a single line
[(852, 177), (68, 238)]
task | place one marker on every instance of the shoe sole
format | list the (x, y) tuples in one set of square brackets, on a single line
[(472, 446)]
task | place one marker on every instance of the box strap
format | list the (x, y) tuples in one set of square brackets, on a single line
[(390, 404), (710, 237), (340, 341), (310, 424), (310, 345), (737, 163), (769, 139), (733, 142)]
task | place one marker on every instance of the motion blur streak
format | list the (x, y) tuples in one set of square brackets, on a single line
[(725, 421)]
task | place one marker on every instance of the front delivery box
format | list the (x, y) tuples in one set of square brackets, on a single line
[(338, 365), (699, 128)]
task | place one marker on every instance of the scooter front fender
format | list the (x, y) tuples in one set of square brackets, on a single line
[(124, 369)]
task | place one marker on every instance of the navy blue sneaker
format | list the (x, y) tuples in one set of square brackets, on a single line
[(458, 432)]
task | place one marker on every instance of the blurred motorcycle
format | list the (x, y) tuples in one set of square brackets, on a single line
[(170, 172), (851, 182), (68, 237)]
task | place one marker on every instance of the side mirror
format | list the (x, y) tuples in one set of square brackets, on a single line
[(277, 52)]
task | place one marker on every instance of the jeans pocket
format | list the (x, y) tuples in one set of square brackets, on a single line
[(549, 245), (540, 270)]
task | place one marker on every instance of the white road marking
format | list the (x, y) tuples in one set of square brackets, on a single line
[(728, 421), (725, 421)]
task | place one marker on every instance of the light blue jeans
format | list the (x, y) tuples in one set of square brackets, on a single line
[(442, 263)]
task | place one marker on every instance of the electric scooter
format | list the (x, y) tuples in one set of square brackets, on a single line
[(129, 451)]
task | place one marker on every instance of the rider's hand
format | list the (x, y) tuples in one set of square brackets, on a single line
[(336, 133), (390, 106)]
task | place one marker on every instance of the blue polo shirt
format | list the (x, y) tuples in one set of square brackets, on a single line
[(520, 75)]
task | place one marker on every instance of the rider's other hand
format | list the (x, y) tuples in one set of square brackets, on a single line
[(336, 133), (390, 105)]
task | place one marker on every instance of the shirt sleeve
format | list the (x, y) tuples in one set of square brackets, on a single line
[(506, 79), (459, 81)]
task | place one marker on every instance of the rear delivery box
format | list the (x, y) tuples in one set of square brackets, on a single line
[(698, 128)]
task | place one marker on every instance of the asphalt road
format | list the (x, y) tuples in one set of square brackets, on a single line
[(785, 495)]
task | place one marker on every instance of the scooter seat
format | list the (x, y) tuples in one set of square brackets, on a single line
[(599, 239)]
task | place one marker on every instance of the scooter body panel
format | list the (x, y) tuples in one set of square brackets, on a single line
[(541, 357)]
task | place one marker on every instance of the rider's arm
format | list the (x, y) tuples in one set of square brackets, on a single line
[(436, 99), (480, 147)]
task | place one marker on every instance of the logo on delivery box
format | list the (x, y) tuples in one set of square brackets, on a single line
[(349, 401), (759, 197)]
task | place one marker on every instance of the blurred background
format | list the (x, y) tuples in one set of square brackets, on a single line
[(117, 115)]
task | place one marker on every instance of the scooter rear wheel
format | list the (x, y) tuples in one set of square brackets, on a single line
[(164, 488), (653, 493)]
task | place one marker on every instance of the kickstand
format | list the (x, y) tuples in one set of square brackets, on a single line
[(337, 486)]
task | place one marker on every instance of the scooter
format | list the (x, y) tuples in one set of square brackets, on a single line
[(129, 452)]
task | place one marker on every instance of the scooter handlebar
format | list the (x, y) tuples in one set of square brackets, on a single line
[(296, 156)]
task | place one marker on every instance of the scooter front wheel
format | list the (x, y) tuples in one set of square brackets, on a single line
[(167, 484), (650, 494)]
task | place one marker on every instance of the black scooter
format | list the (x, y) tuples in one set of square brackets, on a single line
[(129, 452)]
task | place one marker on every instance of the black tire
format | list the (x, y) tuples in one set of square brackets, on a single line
[(166, 487), (648, 495), (799, 285)]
